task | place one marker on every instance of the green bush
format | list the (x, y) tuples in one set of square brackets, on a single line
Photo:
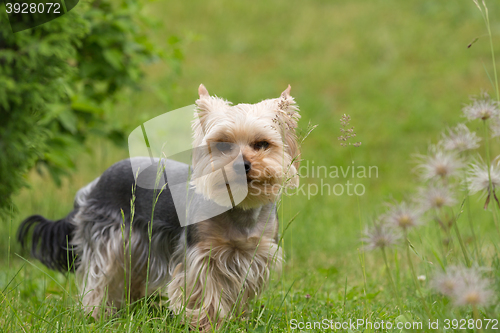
[(58, 82)]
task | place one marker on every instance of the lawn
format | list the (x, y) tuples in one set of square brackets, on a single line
[(402, 71)]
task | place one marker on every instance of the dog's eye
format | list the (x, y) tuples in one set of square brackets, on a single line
[(223, 147), (261, 145)]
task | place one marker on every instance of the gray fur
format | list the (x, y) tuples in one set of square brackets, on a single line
[(102, 227)]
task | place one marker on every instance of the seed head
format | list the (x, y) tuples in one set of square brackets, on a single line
[(478, 176), (460, 139), (482, 108), (465, 286), (403, 215), (380, 236), (478, 179), (436, 196), (439, 164), (347, 132)]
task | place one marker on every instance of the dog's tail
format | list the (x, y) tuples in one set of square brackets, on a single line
[(51, 241)]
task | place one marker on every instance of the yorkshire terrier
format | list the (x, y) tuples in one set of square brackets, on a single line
[(126, 242)]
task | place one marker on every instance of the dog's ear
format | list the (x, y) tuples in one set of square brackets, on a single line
[(285, 94), (206, 105), (202, 91)]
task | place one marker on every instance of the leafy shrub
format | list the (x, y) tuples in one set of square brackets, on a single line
[(58, 82)]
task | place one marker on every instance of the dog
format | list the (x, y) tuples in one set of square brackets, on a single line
[(126, 242)]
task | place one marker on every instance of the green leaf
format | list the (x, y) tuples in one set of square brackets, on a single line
[(68, 120), (114, 57)]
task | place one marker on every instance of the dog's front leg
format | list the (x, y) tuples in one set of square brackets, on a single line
[(200, 292)]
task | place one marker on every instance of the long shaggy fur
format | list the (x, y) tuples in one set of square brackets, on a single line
[(51, 241), (211, 269)]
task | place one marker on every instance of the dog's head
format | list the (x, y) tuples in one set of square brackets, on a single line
[(253, 145)]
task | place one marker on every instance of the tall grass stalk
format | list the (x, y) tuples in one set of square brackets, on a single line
[(469, 217), (414, 276), (442, 244), (491, 190), (475, 315), (459, 236), (485, 14), (395, 290)]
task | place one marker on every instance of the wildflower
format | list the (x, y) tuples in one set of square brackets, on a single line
[(479, 180), (436, 196), (380, 236), (403, 215), (447, 283), (483, 108), (439, 164), (465, 286), (421, 278), (347, 132), (460, 139)]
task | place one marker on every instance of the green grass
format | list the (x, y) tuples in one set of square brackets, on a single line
[(400, 69)]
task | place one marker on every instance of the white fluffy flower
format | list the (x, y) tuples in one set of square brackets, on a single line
[(403, 215), (465, 286), (482, 108), (380, 236), (436, 196), (439, 164), (460, 139), (478, 179)]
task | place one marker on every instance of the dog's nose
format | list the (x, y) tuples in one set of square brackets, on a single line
[(239, 166), (248, 166)]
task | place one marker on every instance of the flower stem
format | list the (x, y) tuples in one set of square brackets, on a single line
[(475, 315), (460, 241), (491, 190), (395, 290), (441, 239), (415, 280), (488, 26), (469, 217)]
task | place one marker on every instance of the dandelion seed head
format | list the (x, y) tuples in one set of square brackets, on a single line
[(477, 176), (482, 108), (439, 164), (476, 292), (380, 236), (403, 215), (460, 138), (465, 286), (446, 282), (436, 196)]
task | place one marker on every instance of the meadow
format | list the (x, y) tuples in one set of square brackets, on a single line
[(402, 71)]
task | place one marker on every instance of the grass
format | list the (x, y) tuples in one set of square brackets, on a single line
[(401, 70)]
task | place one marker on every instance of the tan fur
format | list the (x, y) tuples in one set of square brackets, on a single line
[(219, 276), (272, 120), (106, 274), (230, 260)]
